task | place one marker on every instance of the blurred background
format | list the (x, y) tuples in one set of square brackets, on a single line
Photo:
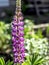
[(38, 10), (36, 27)]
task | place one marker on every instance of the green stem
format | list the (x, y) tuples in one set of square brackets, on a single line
[(17, 64)]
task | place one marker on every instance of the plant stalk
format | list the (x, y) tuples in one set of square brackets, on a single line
[(17, 64), (18, 5)]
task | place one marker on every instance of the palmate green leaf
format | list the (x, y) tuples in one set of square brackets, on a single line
[(34, 57), (37, 60), (2, 62), (9, 63), (40, 62)]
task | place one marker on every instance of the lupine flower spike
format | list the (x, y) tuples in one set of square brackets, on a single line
[(18, 35)]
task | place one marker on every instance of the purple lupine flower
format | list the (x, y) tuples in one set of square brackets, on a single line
[(18, 38)]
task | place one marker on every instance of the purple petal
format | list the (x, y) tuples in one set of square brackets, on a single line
[(14, 24), (21, 39), (21, 18), (13, 33), (13, 39), (21, 23), (16, 60), (14, 49), (21, 34), (21, 28)]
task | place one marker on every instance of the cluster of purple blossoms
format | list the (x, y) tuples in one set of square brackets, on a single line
[(18, 38)]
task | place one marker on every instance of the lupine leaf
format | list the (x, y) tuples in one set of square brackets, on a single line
[(9, 62), (2, 62)]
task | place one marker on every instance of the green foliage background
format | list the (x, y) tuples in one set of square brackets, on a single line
[(35, 43)]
